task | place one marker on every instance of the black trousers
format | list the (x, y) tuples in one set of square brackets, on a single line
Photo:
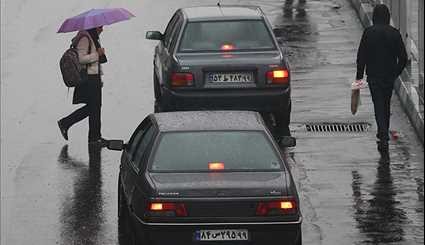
[(91, 95), (382, 90)]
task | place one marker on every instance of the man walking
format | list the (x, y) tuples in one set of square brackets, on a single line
[(383, 54)]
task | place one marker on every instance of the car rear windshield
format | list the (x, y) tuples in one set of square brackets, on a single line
[(217, 36), (215, 151)]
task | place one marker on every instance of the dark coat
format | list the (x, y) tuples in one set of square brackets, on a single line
[(381, 51), (91, 91)]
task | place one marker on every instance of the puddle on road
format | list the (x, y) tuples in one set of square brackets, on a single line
[(295, 33)]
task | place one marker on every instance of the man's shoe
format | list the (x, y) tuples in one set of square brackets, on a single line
[(383, 149), (63, 129)]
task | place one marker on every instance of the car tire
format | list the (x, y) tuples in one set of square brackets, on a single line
[(282, 119), (268, 121), (287, 115), (156, 88), (300, 237), (157, 107), (125, 231)]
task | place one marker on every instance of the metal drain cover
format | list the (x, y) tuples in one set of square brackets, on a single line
[(337, 127)]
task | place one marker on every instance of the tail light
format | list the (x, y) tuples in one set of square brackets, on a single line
[(215, 166), (280, 76), (227, 47), (281, 207), (179, 79), (167, 209)]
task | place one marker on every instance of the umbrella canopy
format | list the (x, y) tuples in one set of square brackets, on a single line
[(95, 18)]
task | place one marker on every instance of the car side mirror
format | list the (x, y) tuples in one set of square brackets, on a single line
[(116, 145), (154, 35)]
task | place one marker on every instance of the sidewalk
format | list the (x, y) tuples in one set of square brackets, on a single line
[(347, 198), (406, 86)]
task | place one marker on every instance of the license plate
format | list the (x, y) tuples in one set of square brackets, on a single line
[(221, 235), (230, 77)]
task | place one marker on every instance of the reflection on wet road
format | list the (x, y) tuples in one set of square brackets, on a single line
[(297, 33), (380, 217), (82, 211)]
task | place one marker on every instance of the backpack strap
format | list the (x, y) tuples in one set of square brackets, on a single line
[(77, 39)]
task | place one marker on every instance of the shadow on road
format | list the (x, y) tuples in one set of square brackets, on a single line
[(378, 218), (82, 211)]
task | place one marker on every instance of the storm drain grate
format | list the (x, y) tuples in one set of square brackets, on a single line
[(337, 127)]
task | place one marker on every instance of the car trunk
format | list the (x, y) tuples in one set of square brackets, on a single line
[(226, 194), (222, 70)]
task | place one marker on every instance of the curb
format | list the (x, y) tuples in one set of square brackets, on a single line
[(404, 91)]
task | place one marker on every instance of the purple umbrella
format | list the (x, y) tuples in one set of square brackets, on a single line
[(95, 18)]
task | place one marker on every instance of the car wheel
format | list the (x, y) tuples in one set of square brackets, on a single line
[(268, 121), (157, 107), (300, 237), (287, 115), (156, 88), (282, 120), (126, 234)]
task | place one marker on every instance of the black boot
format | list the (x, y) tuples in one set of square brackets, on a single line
[(383, 149), (63, 129)]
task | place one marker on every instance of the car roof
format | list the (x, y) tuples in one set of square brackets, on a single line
[(222, 12), (208, 121)]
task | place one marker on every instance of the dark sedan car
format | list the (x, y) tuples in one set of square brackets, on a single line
[(210, 177), (220, 58)]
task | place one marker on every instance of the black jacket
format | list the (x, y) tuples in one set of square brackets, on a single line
[(381, 49)]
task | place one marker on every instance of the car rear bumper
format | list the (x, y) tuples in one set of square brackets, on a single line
[(259, 233), (261, 100)]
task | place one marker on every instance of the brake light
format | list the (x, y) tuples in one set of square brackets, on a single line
[(215, 166), (277, 207), (181, 79), (227, 47), (278, 76), (174, 209)]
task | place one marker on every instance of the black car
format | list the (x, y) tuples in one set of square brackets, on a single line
[(220, 58), (206, 177)]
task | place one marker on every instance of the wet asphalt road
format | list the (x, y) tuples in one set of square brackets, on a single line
[(57, 192)]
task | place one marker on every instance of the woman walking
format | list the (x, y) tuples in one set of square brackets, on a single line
[(91, 55)]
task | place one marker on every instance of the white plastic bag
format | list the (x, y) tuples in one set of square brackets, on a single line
[(356, 86)]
